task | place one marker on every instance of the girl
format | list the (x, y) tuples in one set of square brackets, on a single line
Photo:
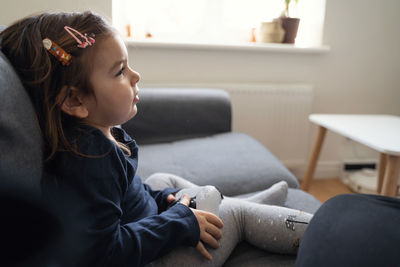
[(74, 67)]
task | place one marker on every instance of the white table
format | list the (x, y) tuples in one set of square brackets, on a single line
[(379, 132)]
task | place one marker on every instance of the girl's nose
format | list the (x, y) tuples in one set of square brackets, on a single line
[(135, 76)]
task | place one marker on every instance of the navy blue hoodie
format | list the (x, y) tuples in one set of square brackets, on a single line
[(110, 217)]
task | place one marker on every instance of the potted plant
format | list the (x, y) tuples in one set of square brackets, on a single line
[(289, 24)]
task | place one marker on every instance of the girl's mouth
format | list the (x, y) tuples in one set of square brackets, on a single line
[(136, 99)]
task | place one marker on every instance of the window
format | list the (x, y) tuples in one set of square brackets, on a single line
[(213, 21)]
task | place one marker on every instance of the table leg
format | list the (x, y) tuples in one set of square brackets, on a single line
[(390, 180), (313, 158), (381, 172)]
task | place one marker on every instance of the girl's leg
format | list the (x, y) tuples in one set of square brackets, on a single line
[(272, 228), (275, 195), (160, 181), (188, 256)]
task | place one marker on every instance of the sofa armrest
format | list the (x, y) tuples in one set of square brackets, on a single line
[(166, 115)]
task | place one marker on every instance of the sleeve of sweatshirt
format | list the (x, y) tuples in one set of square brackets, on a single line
[(143, 241), (157, 235), (160, 196), (101, 184)]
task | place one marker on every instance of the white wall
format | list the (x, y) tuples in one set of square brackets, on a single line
[(12, 10), (359, 75)]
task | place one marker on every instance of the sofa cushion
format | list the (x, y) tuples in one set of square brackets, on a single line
[(247, 255), (170, 114), (300, 200), (20, 146), (233, 162)]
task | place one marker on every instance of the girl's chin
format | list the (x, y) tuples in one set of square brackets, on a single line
[(129, 117), (133, 112)]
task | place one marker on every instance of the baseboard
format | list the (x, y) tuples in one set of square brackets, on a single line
[(324, 169)]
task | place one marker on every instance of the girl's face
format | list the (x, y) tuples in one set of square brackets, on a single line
[(114, 84)]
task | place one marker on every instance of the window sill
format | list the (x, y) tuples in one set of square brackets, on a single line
[(265, 47)]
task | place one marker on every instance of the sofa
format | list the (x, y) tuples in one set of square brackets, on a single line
[(186, 132)]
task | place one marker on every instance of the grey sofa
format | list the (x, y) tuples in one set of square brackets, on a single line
[(185, 132)]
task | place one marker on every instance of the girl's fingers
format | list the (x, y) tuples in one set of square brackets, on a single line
[(214, 231), (209, 240), (211, 218), (215, 221), (203, 251), (185, 200), (170, 198)]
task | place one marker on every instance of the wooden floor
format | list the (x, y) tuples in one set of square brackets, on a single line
[(324, 189)]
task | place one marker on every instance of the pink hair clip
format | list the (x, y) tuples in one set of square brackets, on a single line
[(84, 41)]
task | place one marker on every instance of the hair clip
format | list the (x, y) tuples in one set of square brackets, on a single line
[(84, 41), (57, 51)]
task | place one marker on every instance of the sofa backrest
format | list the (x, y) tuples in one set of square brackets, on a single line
[(20, 142), (171, 114)]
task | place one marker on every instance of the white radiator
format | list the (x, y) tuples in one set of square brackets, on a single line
[(274, 114), (277, 116)]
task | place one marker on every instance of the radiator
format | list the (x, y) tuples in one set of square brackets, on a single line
[(275, 114)]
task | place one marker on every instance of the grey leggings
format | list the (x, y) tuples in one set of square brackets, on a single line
[(272, 228)]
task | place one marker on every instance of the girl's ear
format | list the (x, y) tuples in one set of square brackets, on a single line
[(71, 102)]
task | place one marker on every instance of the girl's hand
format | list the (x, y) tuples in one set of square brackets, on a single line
[(170, 198), (209, 225)]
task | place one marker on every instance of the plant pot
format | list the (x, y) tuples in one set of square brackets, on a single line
[(290, 25), (271, 32)]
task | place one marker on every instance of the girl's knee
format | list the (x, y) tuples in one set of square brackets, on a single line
[(157, 175), (161, 176), (159, 181)]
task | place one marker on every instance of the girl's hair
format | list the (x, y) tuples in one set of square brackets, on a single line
[(43, 75)]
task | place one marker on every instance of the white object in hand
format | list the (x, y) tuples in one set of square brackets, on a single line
[(207, 198)]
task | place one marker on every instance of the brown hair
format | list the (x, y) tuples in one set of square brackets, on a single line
[(43, 75)]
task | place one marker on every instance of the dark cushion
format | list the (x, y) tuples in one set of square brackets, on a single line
[(20, 146), (166, 115), (233, 162)]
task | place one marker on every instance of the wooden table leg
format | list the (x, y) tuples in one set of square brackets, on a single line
[(313, 158), (390, 180), (381, 172)]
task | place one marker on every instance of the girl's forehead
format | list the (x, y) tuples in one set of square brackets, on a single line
[(110, 50)]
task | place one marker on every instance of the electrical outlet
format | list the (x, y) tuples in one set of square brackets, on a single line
[(355, 166)]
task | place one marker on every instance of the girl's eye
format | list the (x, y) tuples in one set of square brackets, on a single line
[(120, 72)]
